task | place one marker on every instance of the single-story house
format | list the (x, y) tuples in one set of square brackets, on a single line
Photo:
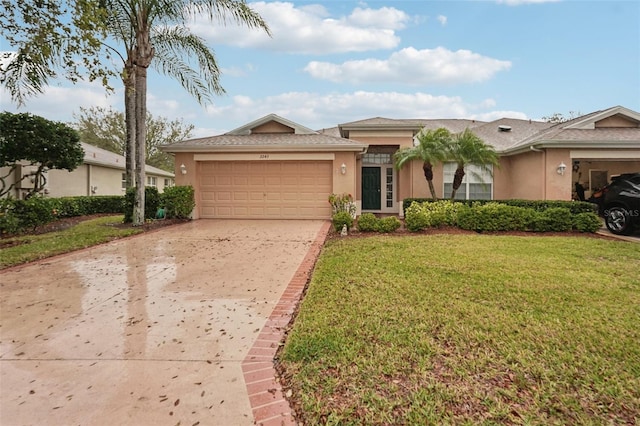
[(275, 168), (101, 173)]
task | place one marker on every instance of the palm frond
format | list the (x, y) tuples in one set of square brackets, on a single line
[(172, 45)]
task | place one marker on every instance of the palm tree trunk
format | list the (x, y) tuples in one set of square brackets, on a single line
[(144, 55), (427, 168), (129, 80), (457, 181)]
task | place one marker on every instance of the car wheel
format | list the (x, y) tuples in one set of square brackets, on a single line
[(618, 220)]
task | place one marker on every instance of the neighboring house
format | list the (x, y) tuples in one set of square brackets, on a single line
[(101, 173), (274, 168)]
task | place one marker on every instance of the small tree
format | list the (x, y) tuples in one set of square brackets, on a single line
[(106, 129), (46, 144), (467, 148), (431, 149)]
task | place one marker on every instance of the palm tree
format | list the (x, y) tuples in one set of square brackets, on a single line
[(153, 32), (431, 149), (157, 29), (468, 148)]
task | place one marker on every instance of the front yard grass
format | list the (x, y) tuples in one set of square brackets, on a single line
[(27, 248), (468, 329)]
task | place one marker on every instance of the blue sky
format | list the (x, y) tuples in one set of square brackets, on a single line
[(332, 62)]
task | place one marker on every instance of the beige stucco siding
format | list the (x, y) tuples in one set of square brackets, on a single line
[(522, 177)]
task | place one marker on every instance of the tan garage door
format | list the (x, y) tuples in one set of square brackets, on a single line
[(265, 189)]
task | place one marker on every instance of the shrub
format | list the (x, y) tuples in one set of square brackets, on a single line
[(555, 219), (388, 224), (416, 218), (151, 203), (9, 222), (368, 222), (443, 213), (576, 207), (433, 214), (342, 203), (178, 201), (492, 217), (340, 219), (19, 215), (586, 222), (34, 212)]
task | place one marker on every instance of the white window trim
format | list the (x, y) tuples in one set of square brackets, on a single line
[(469, 178)]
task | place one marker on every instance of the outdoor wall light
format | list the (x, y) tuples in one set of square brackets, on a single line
[(183, 169), (561, 168), (343, 169)]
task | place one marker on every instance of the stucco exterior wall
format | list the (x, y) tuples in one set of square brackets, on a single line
[(502, 179), (558, 187), (345, 184), (62, 183), (522, 177)]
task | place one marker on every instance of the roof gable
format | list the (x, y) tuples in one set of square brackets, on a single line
[(616, 117), (271, 124)]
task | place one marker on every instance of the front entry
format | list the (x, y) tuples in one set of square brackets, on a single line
[(371, 188)]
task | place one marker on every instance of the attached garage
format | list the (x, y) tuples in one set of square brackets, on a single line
[(265, 189), (271, 168)]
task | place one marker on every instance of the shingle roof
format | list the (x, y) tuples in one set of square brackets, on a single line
[(272, 141), (102, 157), (492, 134), (577, 132), (453, 125)]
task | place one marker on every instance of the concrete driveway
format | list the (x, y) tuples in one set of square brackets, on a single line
[(150, 330)]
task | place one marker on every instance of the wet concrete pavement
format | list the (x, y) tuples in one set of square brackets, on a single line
[(150, 330)]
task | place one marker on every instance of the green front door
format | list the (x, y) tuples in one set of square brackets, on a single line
[(371, 188)]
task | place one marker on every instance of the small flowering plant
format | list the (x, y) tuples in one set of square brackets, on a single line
[(342, 203)]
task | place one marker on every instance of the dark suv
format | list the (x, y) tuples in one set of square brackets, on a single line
[(619, 203)]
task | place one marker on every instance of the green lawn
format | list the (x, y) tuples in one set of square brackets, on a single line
[(469, 329), (85, 234)]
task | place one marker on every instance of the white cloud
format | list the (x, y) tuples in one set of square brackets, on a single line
[(413, 67), (442, 19), (58, 103), (495, 115), (328, 110), (310, 29)]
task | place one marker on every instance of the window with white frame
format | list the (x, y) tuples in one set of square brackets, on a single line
[(124, 181), (476, 185), (168, 182), (152, 181)]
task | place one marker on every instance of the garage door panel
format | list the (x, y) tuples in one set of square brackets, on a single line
[(236, 196), (222, 196), (265, 189)]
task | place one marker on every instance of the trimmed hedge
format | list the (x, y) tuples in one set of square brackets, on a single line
[(575, 207), (18, 216), (497, 216)]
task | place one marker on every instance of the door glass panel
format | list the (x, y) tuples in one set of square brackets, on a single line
[(389, 185)]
